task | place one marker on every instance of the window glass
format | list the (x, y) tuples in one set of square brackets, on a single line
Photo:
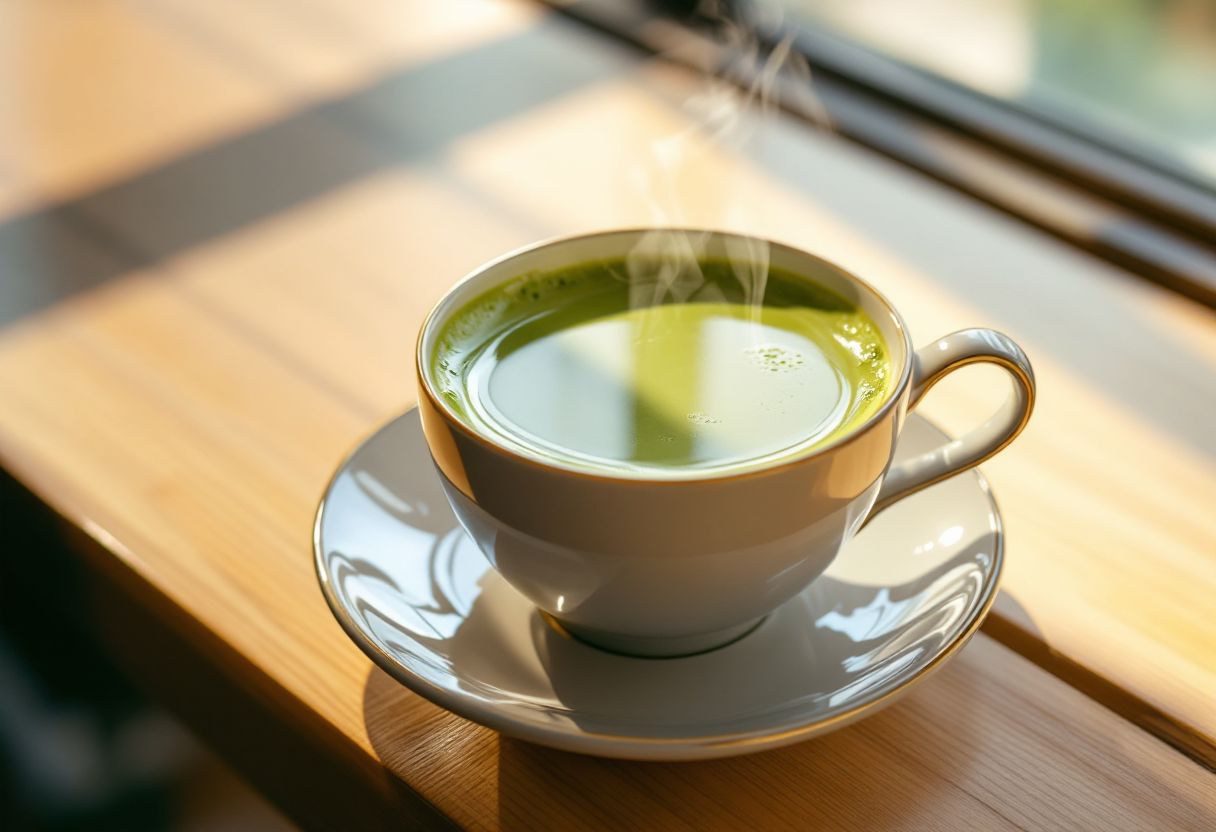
[(1138, 75)]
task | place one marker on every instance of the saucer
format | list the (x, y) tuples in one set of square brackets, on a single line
[(418, 597)]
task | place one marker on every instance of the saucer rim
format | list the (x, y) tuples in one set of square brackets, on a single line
[(670, 749)]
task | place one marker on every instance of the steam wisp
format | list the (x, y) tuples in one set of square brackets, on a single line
[(739, 79)]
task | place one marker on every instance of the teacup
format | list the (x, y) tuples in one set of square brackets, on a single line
[(670, 567)]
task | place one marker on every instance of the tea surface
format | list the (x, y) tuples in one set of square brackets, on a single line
[(556, 365)]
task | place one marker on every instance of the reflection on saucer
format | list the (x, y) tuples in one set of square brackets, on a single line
[(419, 598)]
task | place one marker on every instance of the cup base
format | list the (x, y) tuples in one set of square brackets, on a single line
[(646, 647)]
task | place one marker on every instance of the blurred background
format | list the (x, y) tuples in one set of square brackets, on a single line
[(1139, 75), (80, 747), (131, 130)]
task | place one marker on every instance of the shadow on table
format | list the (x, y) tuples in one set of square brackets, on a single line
[(879, 773), (854, 778), (1011, 624)]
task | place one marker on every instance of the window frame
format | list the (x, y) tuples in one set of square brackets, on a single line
[(1122, 208)]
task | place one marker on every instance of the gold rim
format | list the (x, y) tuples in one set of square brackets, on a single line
[(454, 420)]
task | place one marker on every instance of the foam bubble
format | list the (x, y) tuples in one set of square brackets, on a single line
[(775, 358)]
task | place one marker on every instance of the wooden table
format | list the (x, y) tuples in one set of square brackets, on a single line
[(222, 225)]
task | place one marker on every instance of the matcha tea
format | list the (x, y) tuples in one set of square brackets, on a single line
[(558, 366)]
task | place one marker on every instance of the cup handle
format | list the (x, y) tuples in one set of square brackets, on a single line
[(930, 365)]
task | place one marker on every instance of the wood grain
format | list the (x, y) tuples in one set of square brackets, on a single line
[(92, 91), (186, 418), (321, 304), (124, 410), (313, 48), (83, 105)]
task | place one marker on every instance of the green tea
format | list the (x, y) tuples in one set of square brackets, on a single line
[(558, 366)]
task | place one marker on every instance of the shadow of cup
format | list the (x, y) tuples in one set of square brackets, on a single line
[(865, 776), (874, 774), (877, 774)]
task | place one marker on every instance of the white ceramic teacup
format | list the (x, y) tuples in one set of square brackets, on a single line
[(671, 567)]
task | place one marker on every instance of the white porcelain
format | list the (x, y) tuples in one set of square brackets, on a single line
[(415, 593), (663, 567)]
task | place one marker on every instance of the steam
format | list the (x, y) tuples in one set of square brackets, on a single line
[(741, 80)]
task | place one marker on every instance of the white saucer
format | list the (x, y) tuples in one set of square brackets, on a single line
[(414, 592)]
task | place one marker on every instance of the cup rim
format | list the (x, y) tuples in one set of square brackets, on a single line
[(453, 419)]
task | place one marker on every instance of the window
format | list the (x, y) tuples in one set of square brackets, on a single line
[(1092, 119), (1137, 76)]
